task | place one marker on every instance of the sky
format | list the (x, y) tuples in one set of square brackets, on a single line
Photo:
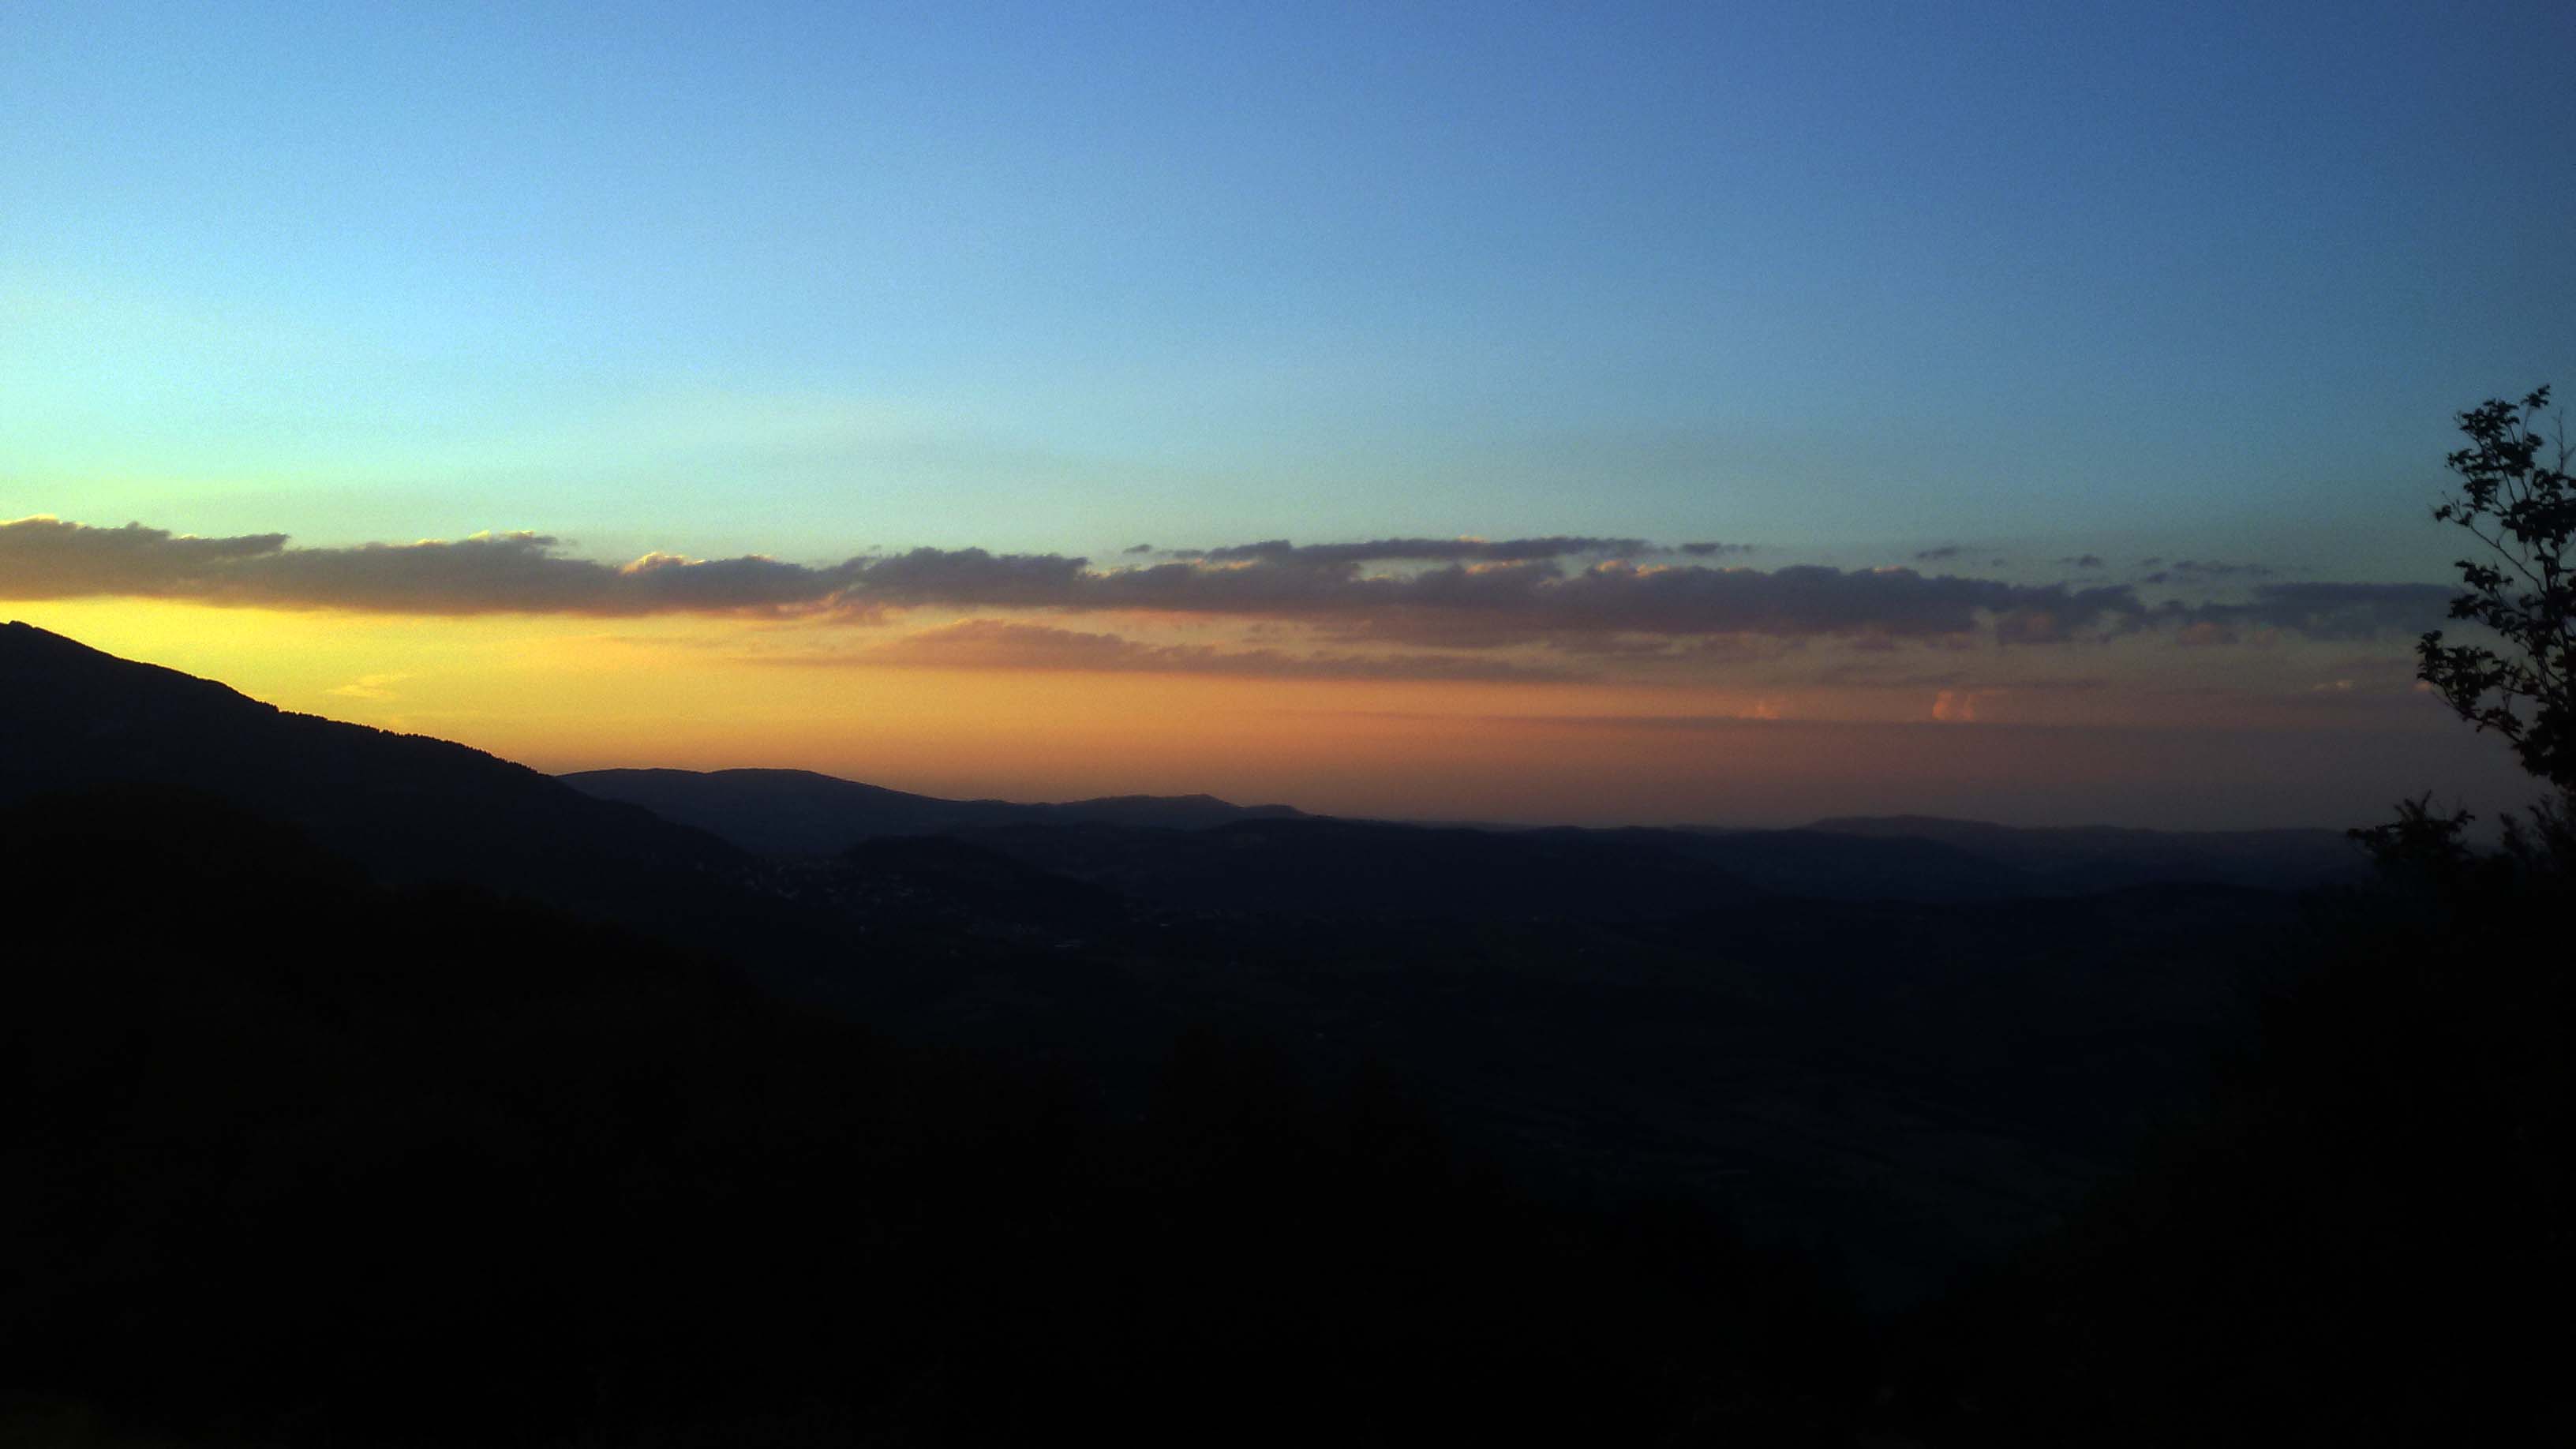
[(1601, 413)]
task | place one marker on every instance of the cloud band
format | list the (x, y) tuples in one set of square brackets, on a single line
[(1454, 593)]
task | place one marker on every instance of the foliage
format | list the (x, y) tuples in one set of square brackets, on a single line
[(2524, 510), (2351, 1244), (2421, 841)]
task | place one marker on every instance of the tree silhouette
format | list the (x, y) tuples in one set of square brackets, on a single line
[(2524, 511)]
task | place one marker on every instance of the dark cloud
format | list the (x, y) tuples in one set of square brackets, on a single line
[(1138, 548), (1463, 606), (1424, 550), (2325, 611), (46, 558), (2083, 561), (488, 573), (1806, 600), (1671, 649), (1935, 555), (2197, 569), (1486, 594), (1715, 550), (966, 576), (1004, 644)]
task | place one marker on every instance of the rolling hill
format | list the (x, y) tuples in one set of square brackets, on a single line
[(799, 812)]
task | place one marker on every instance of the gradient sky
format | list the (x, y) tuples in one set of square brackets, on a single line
[(1982, 292)]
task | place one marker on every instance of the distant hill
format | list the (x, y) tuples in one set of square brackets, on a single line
[(799, 812), (2099, 858), (1925, 1038), (1317, 867), (1196, 852), (408, 808), (666, 849)]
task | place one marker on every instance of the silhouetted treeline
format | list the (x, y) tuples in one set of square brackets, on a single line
[(299, 1159)]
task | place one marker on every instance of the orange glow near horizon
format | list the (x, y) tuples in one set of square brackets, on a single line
[(564, 694)]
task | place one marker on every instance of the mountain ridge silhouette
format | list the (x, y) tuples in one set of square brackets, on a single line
[(805, 812), (410, 809), (786, 812), (681, 852)]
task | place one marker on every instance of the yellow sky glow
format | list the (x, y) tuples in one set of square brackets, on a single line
[(564, 693)]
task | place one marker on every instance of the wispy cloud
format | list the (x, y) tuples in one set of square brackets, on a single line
[(371, 686), (2318, 611), (2192, 570), (1010, 645)]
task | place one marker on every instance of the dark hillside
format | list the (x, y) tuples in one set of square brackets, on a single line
[(2096, 858), (300, 1160), (322, 1107), (2365, 1239), (408, 808), (1358, 869)]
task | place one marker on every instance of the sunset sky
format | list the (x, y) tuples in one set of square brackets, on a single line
[(1595, 413)]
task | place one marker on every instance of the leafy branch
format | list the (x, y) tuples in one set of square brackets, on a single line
[(2522, 506)]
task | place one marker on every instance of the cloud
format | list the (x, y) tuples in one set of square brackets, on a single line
[(1851, 674), (1490, 591), (1007, 645), (1935, 555), (370, 686), (2191, 570), (1423, 550), (1474, 593), (1476, 606), (2331, 611), (1138, 548), (44, 558), (1715, 550), (967, 577), (2082, 561)]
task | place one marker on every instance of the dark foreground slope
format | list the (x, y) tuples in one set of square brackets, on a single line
[(1923, 1078), (407, 808), (299, 1159), (1282, 1129), (1921, 1085), (2365, 1240)]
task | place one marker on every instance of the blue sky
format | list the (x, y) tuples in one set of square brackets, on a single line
[(2136, 331), (1838, 279)]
